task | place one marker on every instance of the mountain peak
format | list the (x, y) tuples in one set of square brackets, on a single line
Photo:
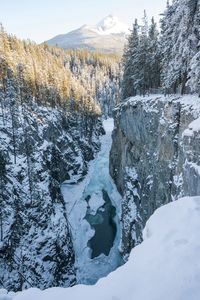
[(108, 22), (111, 24), (108, 35)]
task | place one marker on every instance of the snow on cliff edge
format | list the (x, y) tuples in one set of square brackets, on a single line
[(165, 266)]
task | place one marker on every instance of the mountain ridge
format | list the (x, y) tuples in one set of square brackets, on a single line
[(108, 35)]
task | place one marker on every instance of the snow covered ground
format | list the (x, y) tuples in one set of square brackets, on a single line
[(98, 179), (165, 266)]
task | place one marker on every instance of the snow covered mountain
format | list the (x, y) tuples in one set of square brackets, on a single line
[(108, 35)]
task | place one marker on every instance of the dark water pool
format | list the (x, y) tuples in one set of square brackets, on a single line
[(104, 225)]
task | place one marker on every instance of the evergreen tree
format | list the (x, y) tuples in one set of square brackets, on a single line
[(2, 192), (11, 96), (194, 74), (154, 57), (129, 86), (167, 41), (179, 43), (141, 60)]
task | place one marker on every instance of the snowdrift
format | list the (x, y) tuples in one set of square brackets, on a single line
[(165, 266)]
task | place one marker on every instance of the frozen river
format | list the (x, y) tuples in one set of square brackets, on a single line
[(93, 209)]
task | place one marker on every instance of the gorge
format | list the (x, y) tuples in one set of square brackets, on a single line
[(94, 212), (172, 142), (100, 161)]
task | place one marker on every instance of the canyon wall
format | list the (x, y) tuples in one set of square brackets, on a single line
[(154, 157), (40, 148)]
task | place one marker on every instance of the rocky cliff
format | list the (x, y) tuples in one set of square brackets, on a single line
[(40, 148), (154, 157)]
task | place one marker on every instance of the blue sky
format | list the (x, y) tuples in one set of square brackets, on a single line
[(40, 20)]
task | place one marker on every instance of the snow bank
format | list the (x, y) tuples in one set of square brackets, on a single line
[(4, 295), (192, 128), (165, 266), (189, 103)]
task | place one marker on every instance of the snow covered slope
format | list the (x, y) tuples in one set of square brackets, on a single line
[(165, 266), (108, 35)]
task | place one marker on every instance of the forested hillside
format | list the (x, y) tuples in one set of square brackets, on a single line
[(168, 61), (50, 104), (73, 80)]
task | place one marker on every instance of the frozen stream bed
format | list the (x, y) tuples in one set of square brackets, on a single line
[(93, 209)]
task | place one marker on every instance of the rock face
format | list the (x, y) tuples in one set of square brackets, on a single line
[(40, 148), (154, 157)]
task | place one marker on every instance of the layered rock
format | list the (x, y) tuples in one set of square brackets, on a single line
[(154, 157)]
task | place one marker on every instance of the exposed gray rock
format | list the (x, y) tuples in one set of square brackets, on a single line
[(154, 158)]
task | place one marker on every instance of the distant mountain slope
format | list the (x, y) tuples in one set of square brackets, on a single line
[(109, 35)]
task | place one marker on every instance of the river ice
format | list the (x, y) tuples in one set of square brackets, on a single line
[(98, 179)]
